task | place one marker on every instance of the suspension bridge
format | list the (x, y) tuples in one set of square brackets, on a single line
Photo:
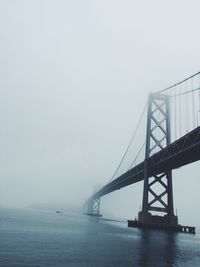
[(172, 140)]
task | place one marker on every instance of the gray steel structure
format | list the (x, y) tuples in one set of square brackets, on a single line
[(93, 207), (159, 165), (157, 193), (179, 153)]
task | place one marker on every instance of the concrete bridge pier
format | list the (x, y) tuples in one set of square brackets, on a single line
[(149, 219)]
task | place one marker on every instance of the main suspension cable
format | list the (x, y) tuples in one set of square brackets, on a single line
[(137, 156), (132, 138), (170, 87)]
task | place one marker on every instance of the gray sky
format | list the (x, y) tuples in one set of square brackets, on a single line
[(74, 77)]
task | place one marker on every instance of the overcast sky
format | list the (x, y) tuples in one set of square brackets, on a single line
[(74, 77)]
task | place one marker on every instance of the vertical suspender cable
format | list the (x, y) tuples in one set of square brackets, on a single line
[(193, 103), (187, 110), (179, 106), (198, 112), (175, 111)]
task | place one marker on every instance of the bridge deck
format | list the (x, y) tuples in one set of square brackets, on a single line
[(179, 153)]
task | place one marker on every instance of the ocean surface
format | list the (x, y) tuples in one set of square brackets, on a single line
[(41, 238)]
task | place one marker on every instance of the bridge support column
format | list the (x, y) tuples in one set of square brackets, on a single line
[(93, 208), (157, 193)]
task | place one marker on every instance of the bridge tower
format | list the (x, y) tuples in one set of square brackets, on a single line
[(93, 207), (157, 192)]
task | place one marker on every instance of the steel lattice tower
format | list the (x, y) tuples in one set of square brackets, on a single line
[(93, 207), (157, 192)]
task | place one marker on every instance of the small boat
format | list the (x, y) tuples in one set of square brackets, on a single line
[(58, 211)]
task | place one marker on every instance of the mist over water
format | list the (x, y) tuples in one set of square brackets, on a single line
[(44, 238), (74, 78)]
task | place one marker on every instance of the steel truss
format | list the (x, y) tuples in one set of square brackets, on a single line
[(157, 194)]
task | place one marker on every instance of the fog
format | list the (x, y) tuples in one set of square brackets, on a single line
[(74, 78)]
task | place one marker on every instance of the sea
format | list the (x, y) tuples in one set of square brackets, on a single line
[(45, 238)]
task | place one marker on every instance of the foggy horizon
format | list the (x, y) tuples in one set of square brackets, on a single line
[(74, 79)]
